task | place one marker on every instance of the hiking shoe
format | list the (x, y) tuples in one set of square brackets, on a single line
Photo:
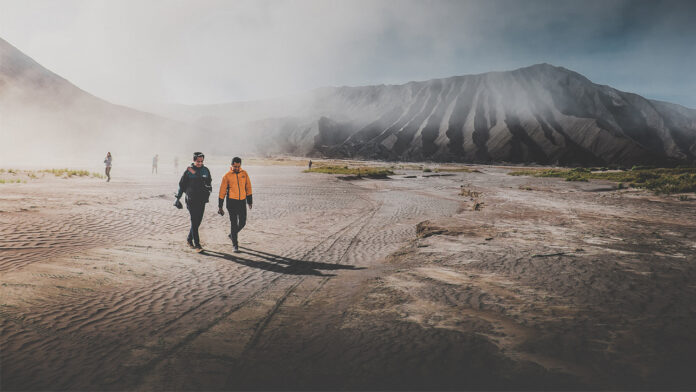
[(236, 249), (198, 248), (190, 243)]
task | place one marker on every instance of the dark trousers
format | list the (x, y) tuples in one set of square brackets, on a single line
[(237, 211), (196, 210)]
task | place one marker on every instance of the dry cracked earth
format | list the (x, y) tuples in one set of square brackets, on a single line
[(462, 281)]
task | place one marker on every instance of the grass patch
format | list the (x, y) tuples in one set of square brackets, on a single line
[(278, 161), (467, 192), (366, 171), (36, 174), (658, 180), (67, 173)]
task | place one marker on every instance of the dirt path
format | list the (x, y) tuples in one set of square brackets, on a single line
[(331, 290)]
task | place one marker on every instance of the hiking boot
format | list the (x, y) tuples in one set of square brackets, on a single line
[(190, 243), (198, 248), (236, 249)]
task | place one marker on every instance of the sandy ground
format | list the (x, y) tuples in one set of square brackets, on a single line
[(371, 284)]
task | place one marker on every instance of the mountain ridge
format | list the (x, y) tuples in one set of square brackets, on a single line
[(541, 114), (536, 114), (45, 115)]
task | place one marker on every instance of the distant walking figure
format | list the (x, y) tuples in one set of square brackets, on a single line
[(176, 164), (107, 163), (236, 188), (155, 159), (310, 164), (196, 183)]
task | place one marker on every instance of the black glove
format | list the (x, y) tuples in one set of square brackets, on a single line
[(221, 212), (178, 204)]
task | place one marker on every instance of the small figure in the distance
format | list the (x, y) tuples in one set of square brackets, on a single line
[(107, 163), (155, 160), (176, 164), (310, 164)]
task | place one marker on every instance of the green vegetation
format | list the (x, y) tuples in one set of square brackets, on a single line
[(17, 181), (66, 172), (659, 180), (36, 174), (467, 192), (427, 170), (71, 173), (365, 171)]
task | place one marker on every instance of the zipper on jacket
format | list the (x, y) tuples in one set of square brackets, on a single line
[(239, 190)]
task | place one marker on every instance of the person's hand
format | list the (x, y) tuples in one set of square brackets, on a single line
[(221, 212), (177, 204), (251, 206)]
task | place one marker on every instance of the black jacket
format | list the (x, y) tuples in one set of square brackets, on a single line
[(196, 183)]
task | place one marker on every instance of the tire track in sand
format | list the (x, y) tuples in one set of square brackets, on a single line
[(261, 326), (332, 240), (93, 319)]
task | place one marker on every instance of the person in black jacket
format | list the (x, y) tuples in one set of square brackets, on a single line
[(196, 183)]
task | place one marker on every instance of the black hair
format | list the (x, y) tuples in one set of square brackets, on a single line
[(237, 160), (198, 154)]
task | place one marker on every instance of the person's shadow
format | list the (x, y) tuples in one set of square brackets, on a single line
[(280, 264)]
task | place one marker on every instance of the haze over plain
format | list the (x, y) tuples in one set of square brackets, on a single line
[(151, 55)]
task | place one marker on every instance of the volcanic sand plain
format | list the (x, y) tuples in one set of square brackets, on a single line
[(462, 280)]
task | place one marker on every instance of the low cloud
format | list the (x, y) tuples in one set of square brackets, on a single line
[(213, 51)]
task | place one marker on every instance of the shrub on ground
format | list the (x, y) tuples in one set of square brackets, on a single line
[(659, 180)]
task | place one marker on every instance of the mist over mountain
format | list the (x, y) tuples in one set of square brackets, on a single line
[(539, 114), (44, 117)]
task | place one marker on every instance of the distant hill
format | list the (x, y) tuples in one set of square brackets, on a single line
[(538, 114), (44, 115)]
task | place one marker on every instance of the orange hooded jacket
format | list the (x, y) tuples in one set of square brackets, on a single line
[(236, 186)]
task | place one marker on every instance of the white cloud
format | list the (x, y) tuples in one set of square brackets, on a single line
[(209, 51)]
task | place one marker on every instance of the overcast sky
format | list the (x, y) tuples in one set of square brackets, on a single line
[(211, 51)]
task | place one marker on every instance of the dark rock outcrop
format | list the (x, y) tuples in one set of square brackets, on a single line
[(539, 114)]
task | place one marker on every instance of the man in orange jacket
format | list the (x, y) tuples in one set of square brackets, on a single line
[(236, 187)]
